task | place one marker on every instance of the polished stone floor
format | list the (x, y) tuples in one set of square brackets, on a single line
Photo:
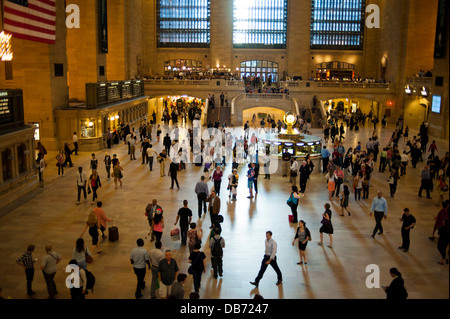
[(52, 217)]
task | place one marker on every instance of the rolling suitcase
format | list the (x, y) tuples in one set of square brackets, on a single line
[(113, 233)]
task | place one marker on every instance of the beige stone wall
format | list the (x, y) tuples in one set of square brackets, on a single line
[(83, 50), (115, 59), (420, 36)]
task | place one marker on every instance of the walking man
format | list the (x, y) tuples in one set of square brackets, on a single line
[(217, 244), (426, 182), (213, 207), (201, 189), (155, 255), (325, 159), (75, 142), (167, 272), (81, 183), (138, 258), (379, 207), (408, 223), (269, 259), (184, 216)]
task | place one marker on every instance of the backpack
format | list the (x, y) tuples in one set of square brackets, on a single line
[(217, 250), (90, 280)]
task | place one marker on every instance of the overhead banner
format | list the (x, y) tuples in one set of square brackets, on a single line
[(103, 28), (441, 31)]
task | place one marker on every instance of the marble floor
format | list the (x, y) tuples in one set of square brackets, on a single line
[(52, 217)]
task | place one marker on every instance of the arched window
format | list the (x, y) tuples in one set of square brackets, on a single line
[(263, 69), (335, 70)]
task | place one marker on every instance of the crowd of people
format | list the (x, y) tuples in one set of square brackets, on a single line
[(344, 170)]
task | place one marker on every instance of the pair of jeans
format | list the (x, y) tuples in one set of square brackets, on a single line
[(357, 193), (140, 274), (81, 188), (51, 286), (29, 274), (294, 213), (197, 276), (217, 186), (174, 179), (405, 238), (217, 265), (274, 265), (94, 193), (201, 201), (150, 162), (425, 184), (378, 226), (183, 233)]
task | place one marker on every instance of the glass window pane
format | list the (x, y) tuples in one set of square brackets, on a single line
[(260, 23), (183, 23), (337, 24)]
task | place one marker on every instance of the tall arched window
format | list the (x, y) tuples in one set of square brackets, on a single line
[(263, 69), (337, 24)]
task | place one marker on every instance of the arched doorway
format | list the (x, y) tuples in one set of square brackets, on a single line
[(178, 103), (266, 70)]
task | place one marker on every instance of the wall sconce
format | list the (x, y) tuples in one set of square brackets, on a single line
[(424, 91), (408, 89)]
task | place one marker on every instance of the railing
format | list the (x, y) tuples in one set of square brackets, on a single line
[(419, 80), (346, 85), (272, 96)]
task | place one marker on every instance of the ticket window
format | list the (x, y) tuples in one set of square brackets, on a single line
[(289, 148), (87, 129)]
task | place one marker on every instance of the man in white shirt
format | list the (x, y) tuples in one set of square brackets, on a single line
[(293, 172), (150, 153), (139, 257), (133, 143), (155, 256), (269, 259), (75, 143), (81, 183), (404, 159)]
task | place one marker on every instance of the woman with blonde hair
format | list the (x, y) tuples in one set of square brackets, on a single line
[(93, 224)]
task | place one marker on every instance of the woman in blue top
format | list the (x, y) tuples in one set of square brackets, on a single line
[(293, 203)]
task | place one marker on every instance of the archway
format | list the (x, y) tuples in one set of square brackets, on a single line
[(182, 104), (262, 113)]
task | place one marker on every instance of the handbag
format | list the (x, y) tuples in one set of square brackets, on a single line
[(89, 258)]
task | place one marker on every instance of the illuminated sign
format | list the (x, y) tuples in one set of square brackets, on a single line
[(5, 46)]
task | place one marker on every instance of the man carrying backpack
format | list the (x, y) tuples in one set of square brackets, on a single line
[(217, 243)]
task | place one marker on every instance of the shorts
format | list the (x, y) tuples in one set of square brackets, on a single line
[(250, 184)]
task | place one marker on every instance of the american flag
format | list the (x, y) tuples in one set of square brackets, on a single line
[(33, 20)]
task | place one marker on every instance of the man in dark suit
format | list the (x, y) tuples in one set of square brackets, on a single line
[(167, 143), (150, 211)]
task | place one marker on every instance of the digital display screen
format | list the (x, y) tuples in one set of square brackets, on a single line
[(436, 104), (291, 151)]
